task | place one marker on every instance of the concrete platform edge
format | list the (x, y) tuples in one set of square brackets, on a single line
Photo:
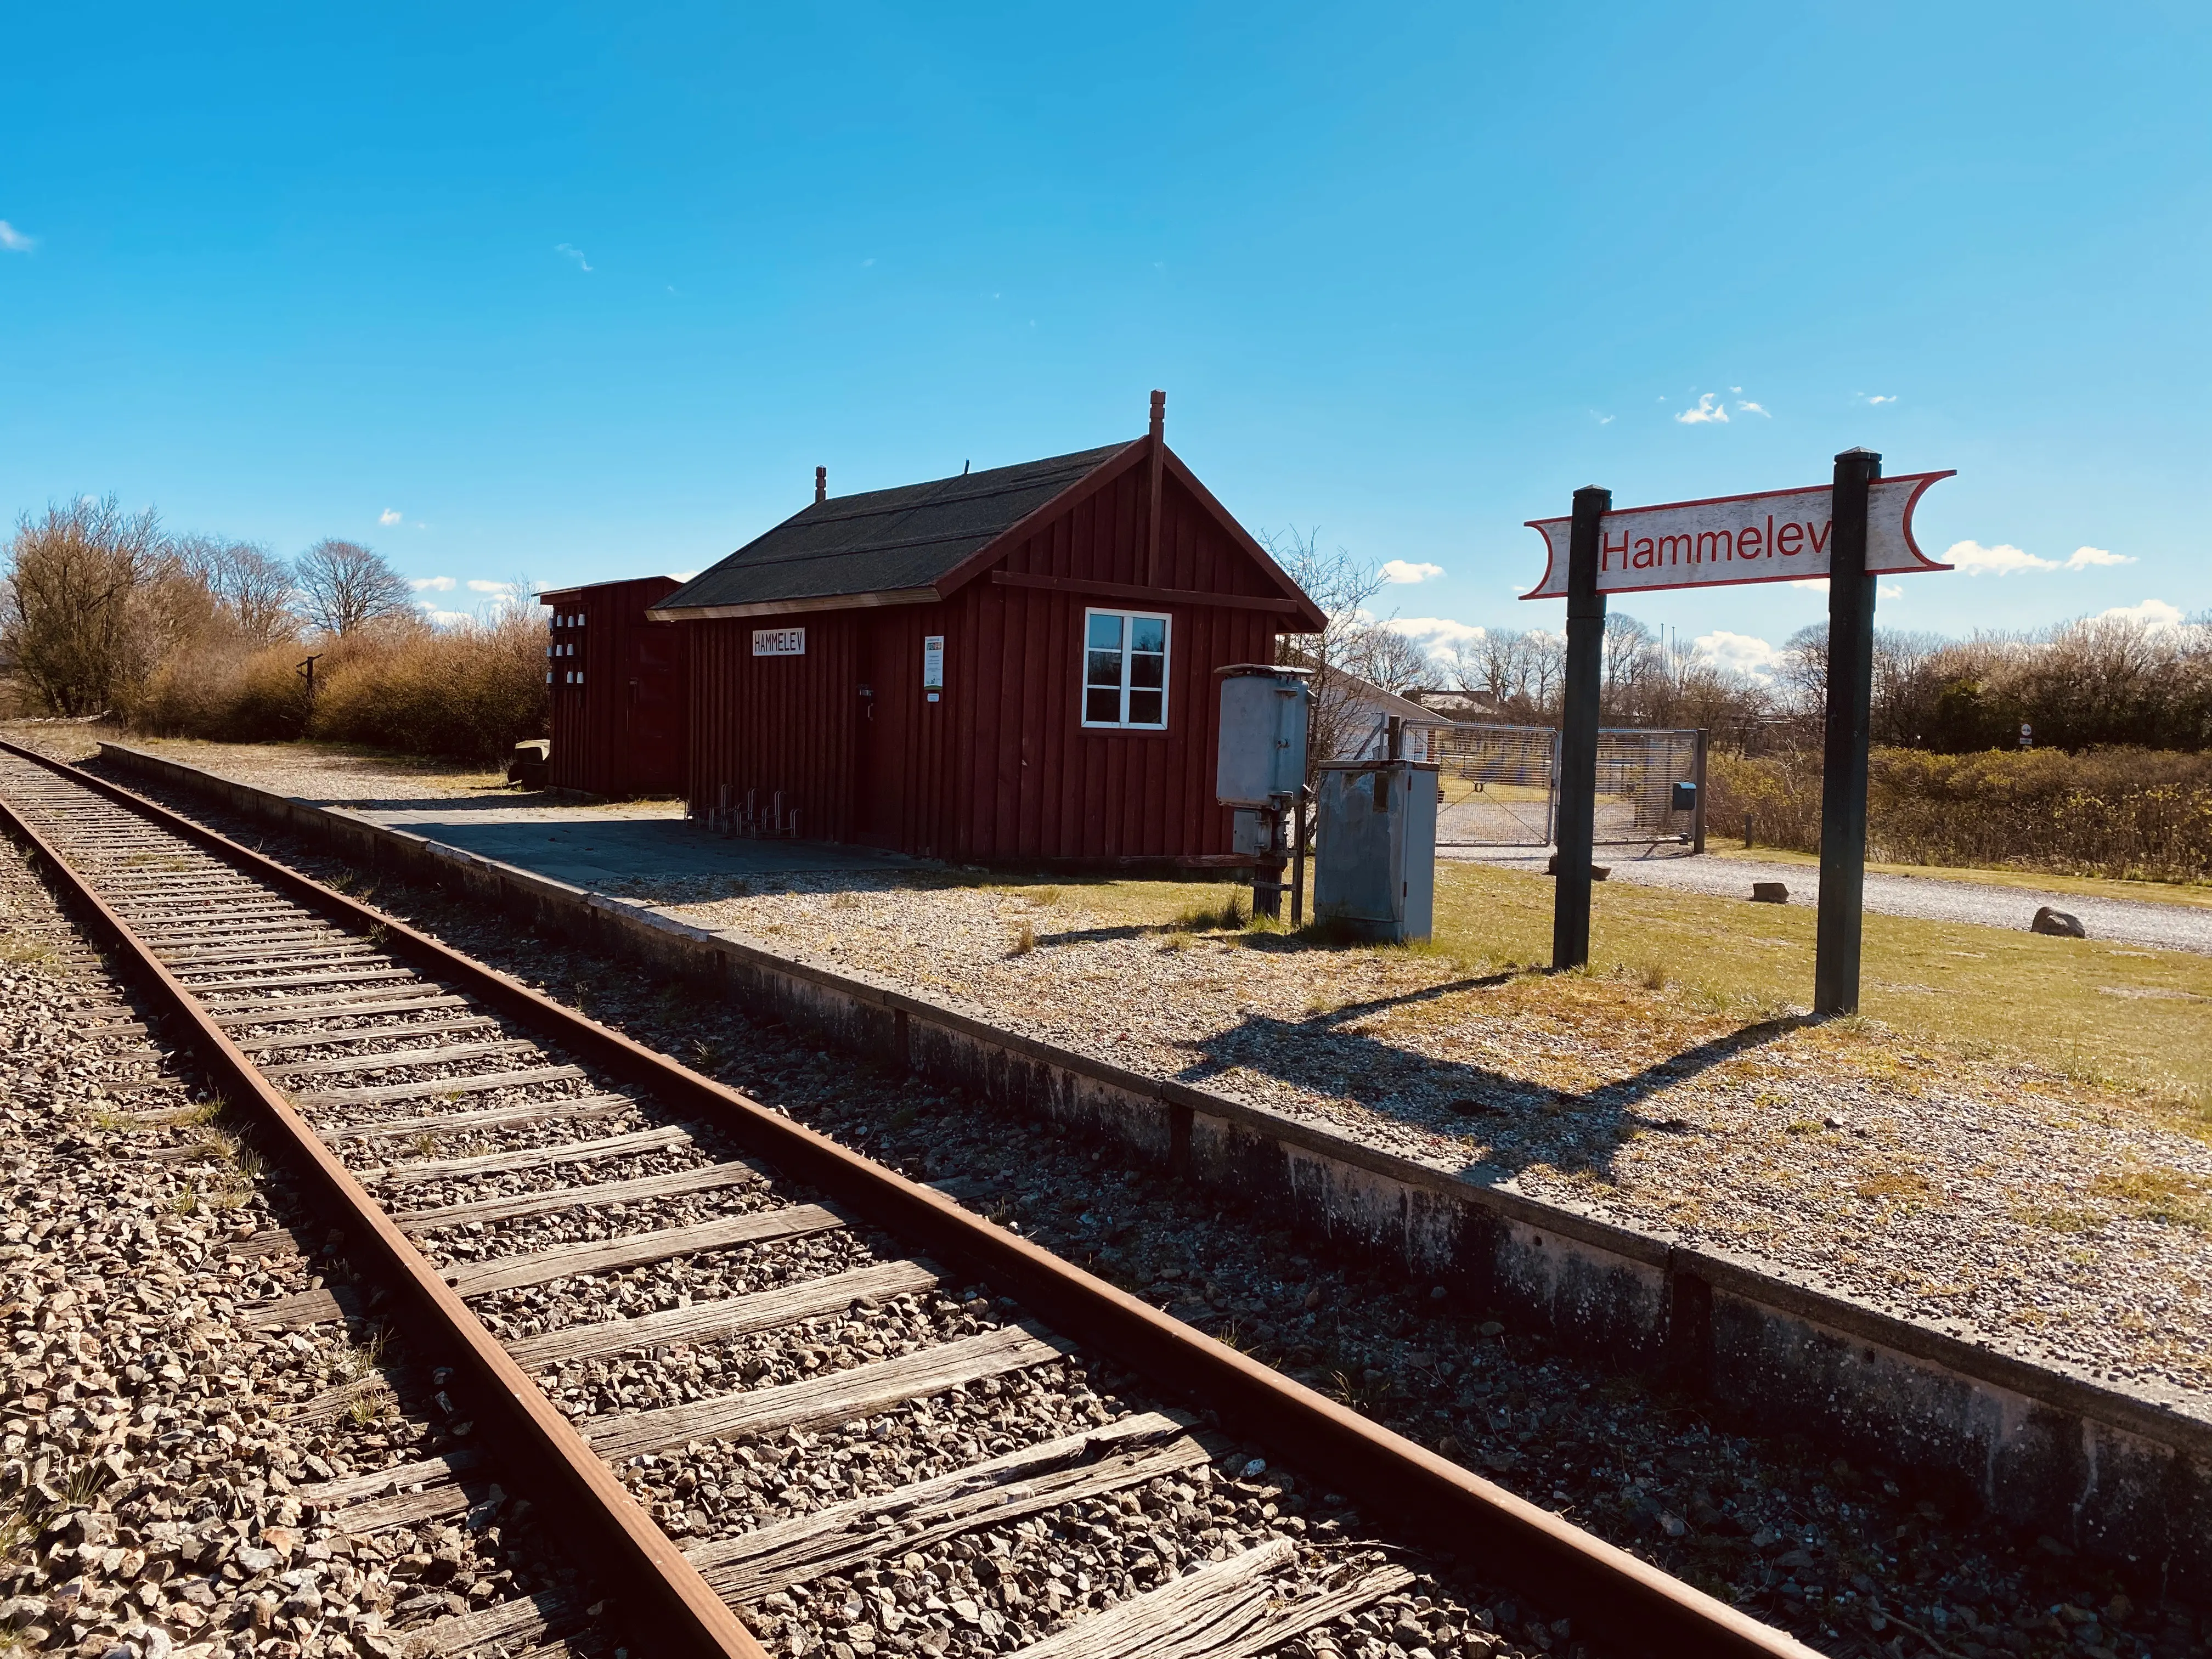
[(2123, 1476)]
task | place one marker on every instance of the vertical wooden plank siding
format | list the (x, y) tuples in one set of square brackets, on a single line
[(592, 746), (1000, 768)]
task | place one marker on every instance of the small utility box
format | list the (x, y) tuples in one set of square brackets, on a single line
[(1262, 757), (1375, 869)]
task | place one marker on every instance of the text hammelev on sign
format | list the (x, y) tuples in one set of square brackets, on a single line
[(779, 641), (1777, 536)]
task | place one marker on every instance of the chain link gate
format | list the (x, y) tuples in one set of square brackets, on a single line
[(1497, 785), (1500, 785)]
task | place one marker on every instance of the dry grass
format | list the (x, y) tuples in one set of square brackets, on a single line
[(2157, 1194), (470, 691), (2131, 1023)]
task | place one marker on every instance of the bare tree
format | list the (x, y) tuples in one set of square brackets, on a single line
[(344, 586), (254, 588), (1341, 586), (75, 624), (1381, 656)]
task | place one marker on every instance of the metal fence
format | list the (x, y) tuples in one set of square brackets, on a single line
[(1637, 772), (1498, 786)]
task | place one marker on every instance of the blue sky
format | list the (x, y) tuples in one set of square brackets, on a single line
[(571, 293)]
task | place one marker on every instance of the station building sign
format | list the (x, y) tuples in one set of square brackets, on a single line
[(779, 641), (1776, 536)]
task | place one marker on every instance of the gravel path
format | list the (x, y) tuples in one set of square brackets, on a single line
[(1998, 1202), (1851, 1556), (2131, 921)]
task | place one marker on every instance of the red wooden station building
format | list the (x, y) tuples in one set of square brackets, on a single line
[(1016, 665)]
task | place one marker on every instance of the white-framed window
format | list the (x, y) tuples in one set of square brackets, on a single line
[(1124, 670)]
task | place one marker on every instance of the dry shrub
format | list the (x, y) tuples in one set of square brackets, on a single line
[(470, 691), (2138, 814), (226, 694)]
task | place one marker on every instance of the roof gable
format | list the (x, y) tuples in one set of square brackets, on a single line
[(883, 541)]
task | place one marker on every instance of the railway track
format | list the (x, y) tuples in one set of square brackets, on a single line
[(560, 1217)]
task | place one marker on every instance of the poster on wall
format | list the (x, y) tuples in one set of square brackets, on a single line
[(932, 662)]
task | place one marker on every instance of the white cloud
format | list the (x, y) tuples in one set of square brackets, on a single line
[(1876, 398), (14, 239), (1746, 653), (1817, 584), (478, 586), (2001, 561), (1891, 592), (1735, 388), (575, 254), (2151, 613), (438, 618), (682, 575), (1602, 420), (389, 515), (1435, 633), (434, 584), (1709, 408), (1753, 408), (1399, 570), (2082, 557)]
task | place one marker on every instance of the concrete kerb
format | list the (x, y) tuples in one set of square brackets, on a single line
[(2125, 1476)]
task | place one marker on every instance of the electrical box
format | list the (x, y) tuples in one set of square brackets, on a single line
[(1262, 755), (1685, 798), (1252, 832), (1375, 868)]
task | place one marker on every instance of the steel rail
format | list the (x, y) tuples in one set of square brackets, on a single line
[(1631, 1603), (601, 1522)]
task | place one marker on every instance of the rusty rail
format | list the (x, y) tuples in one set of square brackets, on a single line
[(1629, 1602)]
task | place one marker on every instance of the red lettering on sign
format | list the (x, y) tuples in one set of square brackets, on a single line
[(1821, 536), (1643, 560), (1672, 550), (1747, 541), (1607, 550), (1715, 544), (1792, 542)]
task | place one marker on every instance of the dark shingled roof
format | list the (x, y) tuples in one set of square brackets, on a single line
[(886, 539)]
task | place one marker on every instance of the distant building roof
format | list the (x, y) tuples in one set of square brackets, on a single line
[(894, 542)]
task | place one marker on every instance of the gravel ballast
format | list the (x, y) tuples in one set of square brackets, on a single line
[(161, 1456), (2001, 1202), (1847, 1556)]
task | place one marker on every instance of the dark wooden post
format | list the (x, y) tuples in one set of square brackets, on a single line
[(1570, 900), (1157, 475), (1843, 758), (1697, 818)]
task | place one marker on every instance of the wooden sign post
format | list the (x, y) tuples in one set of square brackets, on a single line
[(1858, 528), (1578, 717)]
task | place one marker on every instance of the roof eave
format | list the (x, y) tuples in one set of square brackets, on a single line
[(787, 607)]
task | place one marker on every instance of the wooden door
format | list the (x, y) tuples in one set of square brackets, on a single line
[(879, 749)]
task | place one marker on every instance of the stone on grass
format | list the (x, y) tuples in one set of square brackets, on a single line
[(2059, 924), (1770, 892)]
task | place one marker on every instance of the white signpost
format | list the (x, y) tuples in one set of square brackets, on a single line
[(1856, 529), (1777, 536)]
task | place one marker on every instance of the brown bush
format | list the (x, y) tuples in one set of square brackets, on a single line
[(227, 692), (470, 692), (2138, 814)]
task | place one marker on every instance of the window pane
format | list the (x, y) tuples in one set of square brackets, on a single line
[(1102, 705), (1145, 707), (1106, 633), (1148, 634), (1148, 671), (1105, 669)]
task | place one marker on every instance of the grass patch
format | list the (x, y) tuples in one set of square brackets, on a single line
[(22, 951), (2103, 1016), (2152, 1194)]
